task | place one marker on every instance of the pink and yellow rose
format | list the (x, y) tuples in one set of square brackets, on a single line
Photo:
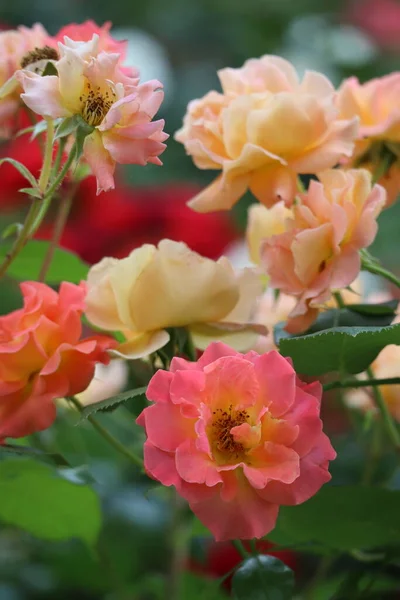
[(15, 46), (92, 84), (238, 436), (263, 130), (42, 356), (376, 104), (319, 250)]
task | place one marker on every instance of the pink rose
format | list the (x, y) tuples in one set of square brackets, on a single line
[(91, 84), (237, 435), (43, 358), (319, 250), (265, 128), (15, 47)]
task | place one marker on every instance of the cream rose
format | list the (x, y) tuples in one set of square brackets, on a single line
[(155, 288)]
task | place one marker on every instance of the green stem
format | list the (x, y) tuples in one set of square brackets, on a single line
[(238, 544), (108, 436), (191, 350), (387, 418), (59, 155), (51, 190), (47, 159), (61, 219), (339, 300), (22, 238), (356, 383), (376, 269)]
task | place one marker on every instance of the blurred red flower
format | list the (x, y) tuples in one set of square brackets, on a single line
[(113, 224), (380, 19), (117, 222)]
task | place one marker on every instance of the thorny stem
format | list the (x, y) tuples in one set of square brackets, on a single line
[(47, 159), (136, 460), (36, 215)]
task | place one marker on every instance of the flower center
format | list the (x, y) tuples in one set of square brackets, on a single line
[(96, 104), (37, 55), (223, 441)]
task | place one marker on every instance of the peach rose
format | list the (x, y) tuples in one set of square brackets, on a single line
[(265, 129), (42, 357), (238, 436), (155, 288), (119, 111), (319, 251), (376, 104)]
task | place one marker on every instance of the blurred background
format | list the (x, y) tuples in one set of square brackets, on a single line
[(182, 43)]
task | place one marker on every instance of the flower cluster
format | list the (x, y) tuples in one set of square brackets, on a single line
[(238, 435)]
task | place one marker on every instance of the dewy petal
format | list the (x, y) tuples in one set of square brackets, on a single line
[(100, 162), (42, 94)]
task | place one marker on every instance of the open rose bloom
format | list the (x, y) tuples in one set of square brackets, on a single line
[(318, 252), (155, 288), (263, 130), (238, 436), (91, 83), (376, 104), (43, 358)]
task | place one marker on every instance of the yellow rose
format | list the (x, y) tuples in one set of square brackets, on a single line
[(155, 288), (263, 223)]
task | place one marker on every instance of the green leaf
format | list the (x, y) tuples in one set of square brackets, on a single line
[(22, 169), (357, 315), (41, 127), (12, 229), (344, 349), (66, 127), (65, 266), (34, 498), (263, 578), (382, 309), (106, 405), (342, 518), (35, 193)]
